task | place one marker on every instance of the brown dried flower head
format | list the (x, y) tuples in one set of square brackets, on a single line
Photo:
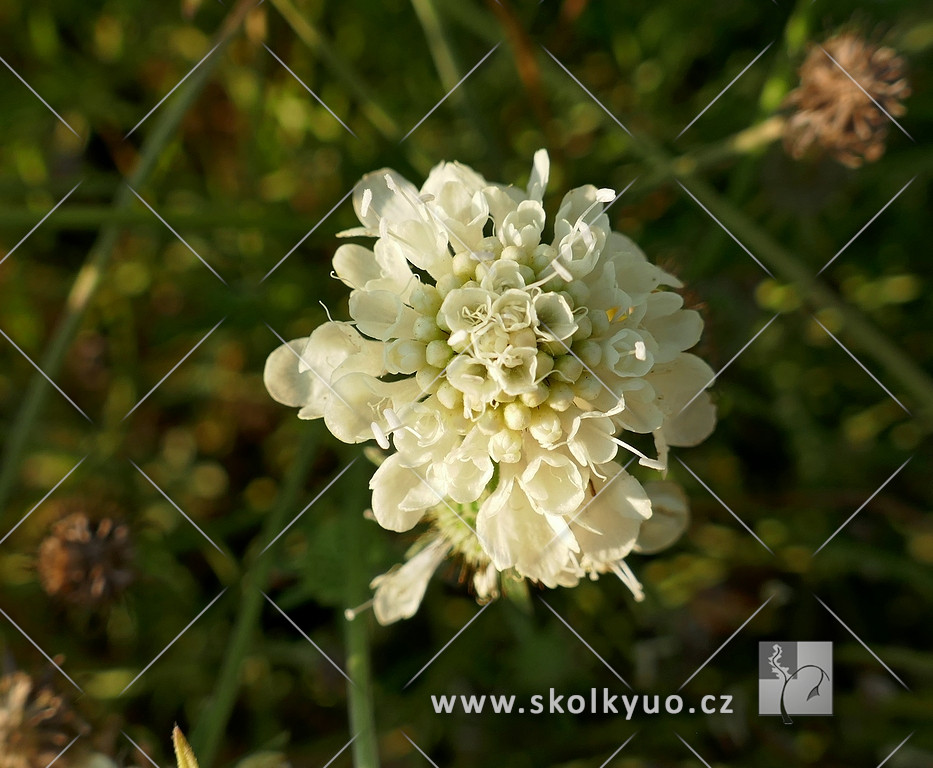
[(832, 114), (84, 562), (36, 724)]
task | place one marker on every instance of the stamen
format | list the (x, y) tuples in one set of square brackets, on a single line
[(351, 613), (641, 353), (620, 568), (561, 270), (326, 310), (605, 195), (380, 436), (367, 199), (392, 419), (645, 461)]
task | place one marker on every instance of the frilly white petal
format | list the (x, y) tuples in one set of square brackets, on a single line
[(670, 514), (381, 202), (554, 484), (300, 373), (401, 495), (282, 378), (609, 524), (515, 536), (400, 591)]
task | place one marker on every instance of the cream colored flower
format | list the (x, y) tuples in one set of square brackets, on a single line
[(505, 364)]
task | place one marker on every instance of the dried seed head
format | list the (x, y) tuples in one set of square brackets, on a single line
[(36, 724), (832, 114), (84, 562)]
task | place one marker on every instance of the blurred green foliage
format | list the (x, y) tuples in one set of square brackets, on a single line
[(805, 436)]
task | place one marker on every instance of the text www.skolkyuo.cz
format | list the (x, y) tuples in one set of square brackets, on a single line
[(596, 702)]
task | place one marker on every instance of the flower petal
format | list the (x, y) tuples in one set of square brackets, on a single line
[(670, 514), (400, 495), (608, 526), (373, 200), (400, 591)]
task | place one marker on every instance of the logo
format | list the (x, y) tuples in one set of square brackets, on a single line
[(795, 679)]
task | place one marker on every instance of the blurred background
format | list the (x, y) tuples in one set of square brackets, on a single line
[(99, 566)]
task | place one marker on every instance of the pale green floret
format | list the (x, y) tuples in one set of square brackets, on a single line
[(425, 299), (567, 368), (517, 416), (438, 353)]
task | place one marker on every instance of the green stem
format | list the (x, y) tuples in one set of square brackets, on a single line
[(88, 279), (209, 731), (356, 636)]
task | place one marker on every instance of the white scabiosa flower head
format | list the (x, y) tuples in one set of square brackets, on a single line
[(506, 362)]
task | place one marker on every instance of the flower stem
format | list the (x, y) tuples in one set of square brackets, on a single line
[(207, 736), (94, 267), (738, 145), (356, 635)]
